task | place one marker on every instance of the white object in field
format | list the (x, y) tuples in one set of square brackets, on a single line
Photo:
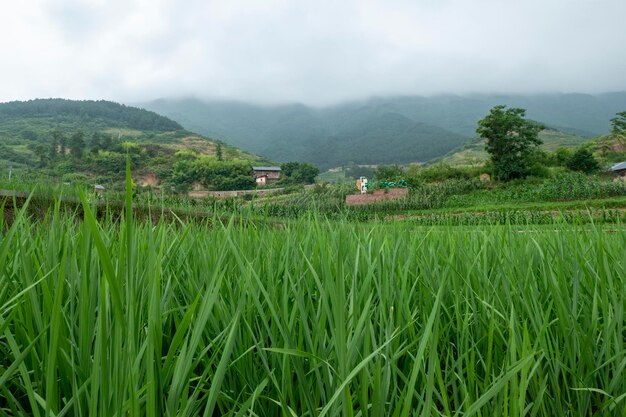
[(361, 184)]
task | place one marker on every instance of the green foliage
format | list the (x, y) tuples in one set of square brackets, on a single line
[(355, 172), (51, 138), (298, 173), (389, 173), (562, 155), (238, 182), (114, 114), (215, 174), (387, 130), (523, 217), (510, 141), (618, 130), (569, 186), (212, 173), (583, 160), (287, 169), (326, 138), (473, 153), (183, 175), (311, 318), (440, 172), (618, 124), (77, 144)]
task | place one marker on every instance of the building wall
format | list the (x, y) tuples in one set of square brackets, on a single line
[(271, 175)]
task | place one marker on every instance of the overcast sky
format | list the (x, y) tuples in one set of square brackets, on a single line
[(314, 51)]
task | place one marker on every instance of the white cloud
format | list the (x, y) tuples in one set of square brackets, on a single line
[(314, 51)]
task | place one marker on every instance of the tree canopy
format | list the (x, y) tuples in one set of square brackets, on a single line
[(114, 114), (618, 124), (299, 172), (511, 140), (583, 160)]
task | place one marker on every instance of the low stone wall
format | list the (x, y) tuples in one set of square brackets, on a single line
[(377, 195)]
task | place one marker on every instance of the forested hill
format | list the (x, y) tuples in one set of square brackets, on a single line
[(103, 113), (327, 137), (380, 130), (88, 142)]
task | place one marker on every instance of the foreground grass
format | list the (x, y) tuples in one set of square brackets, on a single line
[(314, 319)]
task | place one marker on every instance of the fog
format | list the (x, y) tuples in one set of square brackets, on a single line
[(314, 52)]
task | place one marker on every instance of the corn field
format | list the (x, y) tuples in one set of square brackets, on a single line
[(312, 318)]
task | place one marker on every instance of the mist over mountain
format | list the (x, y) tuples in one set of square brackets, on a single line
[(379, 130)]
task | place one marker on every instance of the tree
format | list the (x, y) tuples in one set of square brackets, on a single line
[(77, 144), (183, 175), (389, 173), (618, 124), (44, 157), (305, 174), (618, 128), (563, 155), (56, 144), (218, 152), (511, 140), (239, 182), (287, 169), (63, 145), (583, 161), (299, 172), (94, 144), (106, 142)]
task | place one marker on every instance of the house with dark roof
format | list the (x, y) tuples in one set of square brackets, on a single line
[(265, 175)]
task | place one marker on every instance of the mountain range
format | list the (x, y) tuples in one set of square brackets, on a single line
[(380, 130)]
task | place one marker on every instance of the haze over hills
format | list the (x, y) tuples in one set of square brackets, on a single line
[(379, 130)]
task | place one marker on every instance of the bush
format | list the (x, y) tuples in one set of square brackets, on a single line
[(583, 161), (389, 173), (441, 172)]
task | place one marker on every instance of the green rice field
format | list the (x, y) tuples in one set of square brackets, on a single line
[(310, 317)]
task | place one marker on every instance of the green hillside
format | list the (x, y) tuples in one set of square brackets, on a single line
[(609, 149), (385, 129), (473, 152), (326, 137), (87, 141)]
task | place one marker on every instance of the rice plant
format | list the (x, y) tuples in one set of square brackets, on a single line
[(313, 318)]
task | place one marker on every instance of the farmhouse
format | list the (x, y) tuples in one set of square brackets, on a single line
[(619, 169), (266, 175)]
